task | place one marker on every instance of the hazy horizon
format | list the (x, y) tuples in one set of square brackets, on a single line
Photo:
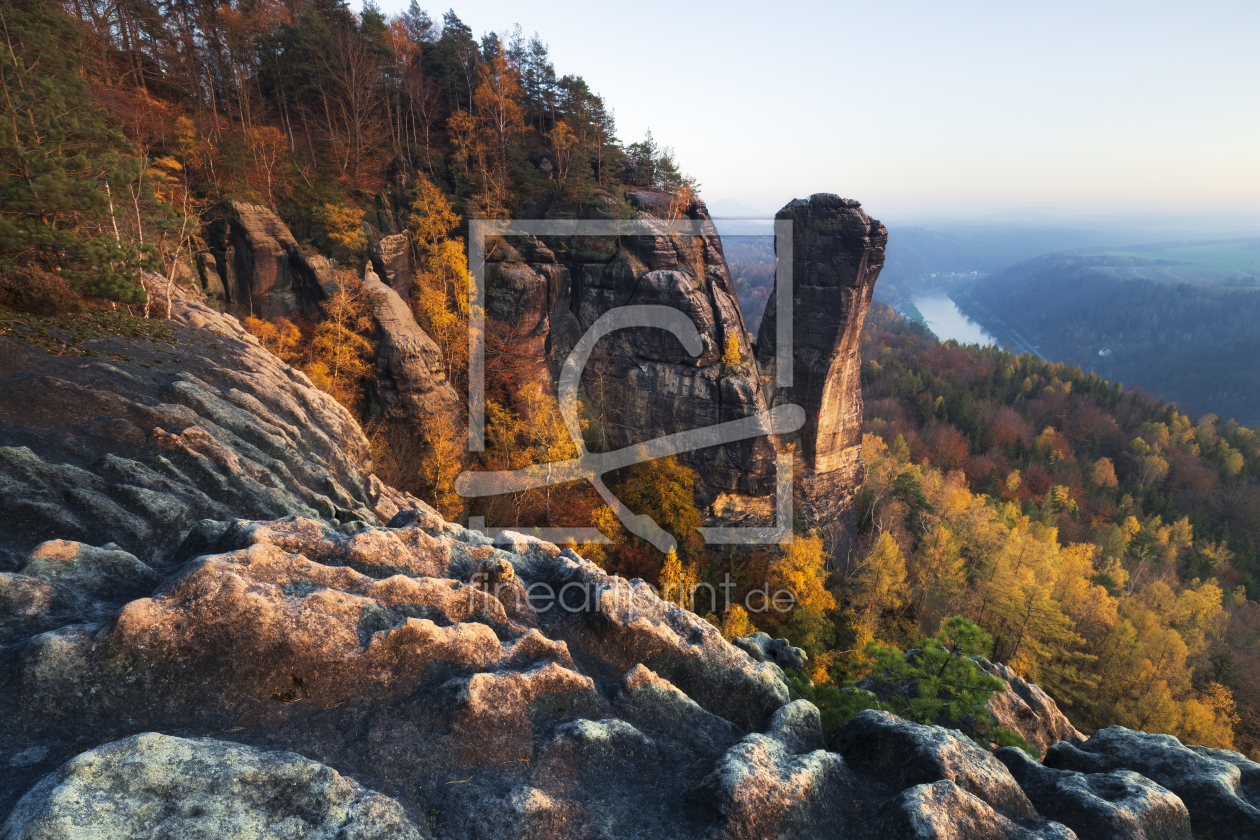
[(923, 109)]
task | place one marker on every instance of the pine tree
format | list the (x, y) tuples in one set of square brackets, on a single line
[(65, 169)]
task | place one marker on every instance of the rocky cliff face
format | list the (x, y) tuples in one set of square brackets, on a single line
[(259, 269), (150, 427), (642, 383), (322, 675), (544, 293), (547, 292), (837, 253), (410, 380)]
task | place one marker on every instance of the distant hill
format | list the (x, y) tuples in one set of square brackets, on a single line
[(1180, 321), (917, 252)]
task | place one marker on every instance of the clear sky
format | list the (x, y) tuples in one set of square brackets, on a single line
[(917, 107)]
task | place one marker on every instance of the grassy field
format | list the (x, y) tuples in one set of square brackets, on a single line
[(1236, 254)]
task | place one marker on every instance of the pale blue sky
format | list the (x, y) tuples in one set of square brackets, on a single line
[(927, 107)]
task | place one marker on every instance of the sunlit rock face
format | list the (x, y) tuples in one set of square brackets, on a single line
[(258, 267), (837, 254), (410, 382), (174, 670), (544, 293)]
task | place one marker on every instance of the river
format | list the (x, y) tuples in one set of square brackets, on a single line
[(946, 321)]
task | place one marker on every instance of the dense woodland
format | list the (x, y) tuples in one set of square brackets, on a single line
[(1089, 531), (126, 121), (1192, 344), (1107, 542)]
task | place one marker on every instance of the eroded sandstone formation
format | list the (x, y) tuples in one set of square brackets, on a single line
[(391, 258), (258, 267), (157, 430), (837, 254), (224, 792), (317, 673), (544, 293), (411, 381), (422, 680), (642, 384)]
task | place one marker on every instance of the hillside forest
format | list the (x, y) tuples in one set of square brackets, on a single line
[(1104, 542), (1193, 343)]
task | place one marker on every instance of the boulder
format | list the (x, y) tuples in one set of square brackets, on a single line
[(1222, 794), (154, 785), (765, 649), (1026, 709), (67, 582), (1120, 805), (944, 811), (798, 726), (657, 706), (763, 789), (904, 754)]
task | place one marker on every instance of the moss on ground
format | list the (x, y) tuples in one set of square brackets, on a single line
[(65, 335)]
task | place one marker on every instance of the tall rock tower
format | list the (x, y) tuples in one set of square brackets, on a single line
[(837, 253)]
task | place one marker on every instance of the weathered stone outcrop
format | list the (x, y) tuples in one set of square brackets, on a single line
[(359, 647), (391, 258), (1120, 805), (765, 649), (465, 679), (488, 688), (1026, 709), (260, 267), (67, 582), (944, 811), (411, 379), (545, 293), (837, 253), (1221, 788), (160, 429), (154, 785), (906, 754)]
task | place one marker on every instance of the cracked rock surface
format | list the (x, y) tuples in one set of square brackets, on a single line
[(135, 444), (214, 623)]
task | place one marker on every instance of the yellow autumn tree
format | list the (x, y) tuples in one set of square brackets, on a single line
[(432, 218), (876, 586), (340, 352), (1209, 719), (731, 358), (734, 624), (442, 281), (678, 580), (344, 227), (281, 337), (801, 569)]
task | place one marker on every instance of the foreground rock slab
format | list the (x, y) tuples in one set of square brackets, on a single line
[(158, 786), (191, 420), (1220, 788), (1120, 805)]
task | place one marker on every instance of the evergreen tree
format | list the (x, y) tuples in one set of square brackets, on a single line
[(65, 169)]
